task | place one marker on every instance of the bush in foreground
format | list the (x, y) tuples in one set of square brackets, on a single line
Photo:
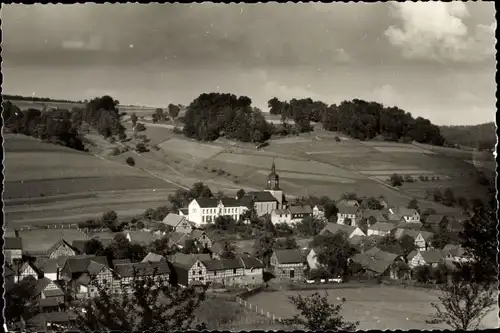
[(130, 161)]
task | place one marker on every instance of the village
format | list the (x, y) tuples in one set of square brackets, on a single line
[(385, 244)]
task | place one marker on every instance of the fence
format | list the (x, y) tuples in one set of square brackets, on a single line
[(49, 226), (259, 311)]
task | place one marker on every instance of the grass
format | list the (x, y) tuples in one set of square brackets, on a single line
[(193, 148), (375, 307)]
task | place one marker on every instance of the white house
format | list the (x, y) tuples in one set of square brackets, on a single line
[(206, 210), (318, 211), (298, 213), (404, 214), (423, 240), (347, 212), (381, 228), (279, 216)]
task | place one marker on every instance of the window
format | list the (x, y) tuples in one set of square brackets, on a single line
[(199, 272), (198, 265), (292, 274), (234, 270), (200, 278), (215, 273)]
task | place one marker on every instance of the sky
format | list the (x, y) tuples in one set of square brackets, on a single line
[(435, 60)]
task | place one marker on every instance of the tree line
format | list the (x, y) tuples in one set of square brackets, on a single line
[(37, 99), (63, 127)]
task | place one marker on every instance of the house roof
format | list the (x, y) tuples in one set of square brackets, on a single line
[(141, 237), (403, 211), (79, 244), (178, 238), (434, 219), (81, 265), (188, 260), (379, 254), (222, 264), (13, 243), (304, 209), (153, 257), (48, 266), (393, 248), (61, 260), (356, 239), (142, 268), (407, 225), (212, 202), (173, 220), (351, 203), (94, 267), (120, 261), (372, 263), (281, 211), (251, 262), (59, 243), (8, 271), (55, 317), (453, 250), (426, 235), (184, 211), (432, 256), (217, 247), (197, 233), (289, 256), (346, 209), (377, 214), (260, 196), (334, 228), (383, 226), (53, 292), (41, 284)]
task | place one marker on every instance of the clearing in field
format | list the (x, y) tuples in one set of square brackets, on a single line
[(376, 307), (193, 148)]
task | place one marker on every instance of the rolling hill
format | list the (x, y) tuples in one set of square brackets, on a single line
[(475, 136)]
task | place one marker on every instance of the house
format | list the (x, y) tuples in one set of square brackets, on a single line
[(52, 304), (125, 273), (206, 210), (13, 249), (223, 271), (264, 202), (334, 228), (201, 238), (318, 211), (377, 263), (50, 268), (288, 264), (454, 253), (178, 223), (153, 257), (381, 228), (373, 214), (437, 221), (420, 258), (298, 213), (26, 269), (423, 240), (407, 215), (188, 269), (253, 271), (141, 237), (347, 212), (61, 248), (217, 250), (77, 272), (178, 240), (279, 216)]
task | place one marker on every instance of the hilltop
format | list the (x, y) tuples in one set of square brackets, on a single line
[(480, 136)]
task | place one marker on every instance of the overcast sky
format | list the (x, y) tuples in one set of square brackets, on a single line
[(435, 60)]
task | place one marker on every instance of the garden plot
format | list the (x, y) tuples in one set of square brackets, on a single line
[(193, 148)]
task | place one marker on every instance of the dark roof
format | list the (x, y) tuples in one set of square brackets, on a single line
[(173, 220), (432, 256), (184, 211), (375, 260), (223, 264), (56, 317), (346, 209), (48, 266), (61, 260), (188, 260), (403, 211), (383, 226), (434, 219), (393, 248), (212, 203), (304, 209), (13, 243), (153, 257), (261, 196), (41, 284), (377, 214), (426, 235), (79, 244), (120, 261), (141, 237), (334, 228), (292, 256), (80, 265), (217, 247), (142, 268), (53, 292), (178, 238), (356, 239), (197, 233), (252, 262)]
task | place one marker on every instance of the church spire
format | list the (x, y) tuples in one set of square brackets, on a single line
[(273, 167)]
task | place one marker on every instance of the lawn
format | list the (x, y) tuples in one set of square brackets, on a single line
[(193, 148), (377, 307)]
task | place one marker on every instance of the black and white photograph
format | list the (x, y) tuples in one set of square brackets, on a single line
[(249, 166)]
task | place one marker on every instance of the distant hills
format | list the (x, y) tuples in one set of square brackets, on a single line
[(476, 136)]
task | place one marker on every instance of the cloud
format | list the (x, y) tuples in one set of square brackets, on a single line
[(437, 31), (93, 44), (385, 94)]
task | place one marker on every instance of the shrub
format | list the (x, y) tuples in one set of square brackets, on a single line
[(140, 127), (213, 170), (220, 172), (409, 179), (396, 180), (141, 148), (130, 161), (115, 151), (337, 139)]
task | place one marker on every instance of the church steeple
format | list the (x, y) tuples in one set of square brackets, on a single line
[(273, 182)]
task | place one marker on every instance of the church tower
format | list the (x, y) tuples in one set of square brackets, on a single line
[(273, 186)]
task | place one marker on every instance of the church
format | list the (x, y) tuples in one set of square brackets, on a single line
[(204, 210)]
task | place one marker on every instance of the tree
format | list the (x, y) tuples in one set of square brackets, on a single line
[(463, 203), (110, 220), (372, 220), (449, 197), (93, 246), (437, 195), (407, 243), (287, 243), (331, 210), (463, 304), (396, 180), (160, 115), (310, 226), (413, 204), (388, 239), (173, 110), (240, 193), (133, 118), (422, 273), (141, 148), (372, 203), (130, 161), (190, 247), (21, 302), (335, 250), (263, 246), (317, 314), (225, 222), (229, 250), (151, 304), (160, 246)]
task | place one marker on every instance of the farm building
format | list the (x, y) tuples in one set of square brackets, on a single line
[(141, 237), (13, 249), (298, 213), (242, 271), (288, 264), (206, 210), (201, 238), (76, 270), (279, 216), (125, 273), (26, 269), (46, 288), (346, 212), (264, 202), (430, 257), (335, 228), (381, 228), (423, 240), (178, 223), (377, 263), (373, 215), (188, 269), (436, 221), (407, 215), (61, 248)]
